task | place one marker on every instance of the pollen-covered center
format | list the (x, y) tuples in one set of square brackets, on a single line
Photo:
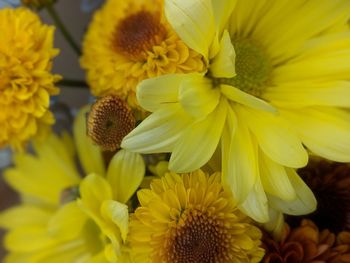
[(253, 67), (138, 33), (109, 121), (199, 239)]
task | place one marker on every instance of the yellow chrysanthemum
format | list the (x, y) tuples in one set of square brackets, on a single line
[(129, 41), (63, 217), (277, 83), (191, 218), (26, 83)]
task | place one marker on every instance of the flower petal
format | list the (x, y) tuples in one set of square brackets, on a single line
[(240, 167), (89, 154), (199, 141), (325, 131), (117, 213), (223, 64), (275, 137), (197, 96), (158, 132), (155, 92), (256, 204), (237, 95), (125, 173), (222, 10), (193, 21), (275, 179), (305, 201)]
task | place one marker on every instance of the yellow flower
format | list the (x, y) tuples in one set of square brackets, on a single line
[(62, 217), (129, 41), (277, 83), (191, 218), (26, 84)]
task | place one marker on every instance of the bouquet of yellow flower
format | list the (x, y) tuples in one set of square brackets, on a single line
[(218, 131)]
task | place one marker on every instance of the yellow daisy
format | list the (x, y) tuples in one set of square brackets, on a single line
[(26, 83), (191, 218), (129, 41), (277, 84), (63, 217)]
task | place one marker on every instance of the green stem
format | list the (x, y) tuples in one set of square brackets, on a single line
[(58, 22), (73, 83)]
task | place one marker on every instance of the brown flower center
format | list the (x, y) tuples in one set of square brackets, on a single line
[(138, 33), (109, 121), (200, 239)]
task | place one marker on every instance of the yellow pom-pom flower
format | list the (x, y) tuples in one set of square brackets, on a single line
[(26, 83), (191, 218), (277, 84), (129, 41), (63, 217)]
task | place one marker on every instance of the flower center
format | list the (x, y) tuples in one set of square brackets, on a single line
[(200, 239), (138, 33), (109, 121), (253, 67)]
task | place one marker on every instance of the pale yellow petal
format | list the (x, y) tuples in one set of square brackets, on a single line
[(302, 94), (240, 164), (275, 137), (222, 10), (118, 214), (158, 132), (256, 203), (275, 179), (197, 96), (193, 21), (275, 225), (156, 92), (199, 141), (89, 154), (325, 131), (239, 96), (223, 64), (125, 173), (305, 201)]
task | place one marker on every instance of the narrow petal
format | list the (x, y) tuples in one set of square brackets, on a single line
[(223, 64), (275, 137), (159, 132), (199, 141), (240, 166), (305, 201), (67, 222), (197, 96), (275, 179), (239, 96), (275, 225), (325, 131), (256, 204), (297, 95), (89, 154), (94, 189), (222, 11), (155, 92), (117, 213), (125, 173), (193, 21)]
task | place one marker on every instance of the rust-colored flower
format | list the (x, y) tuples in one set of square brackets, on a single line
[(341, 251), (304, 244), (330, 182)]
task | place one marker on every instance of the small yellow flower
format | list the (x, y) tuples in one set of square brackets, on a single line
[(63, 217), (129, 41), (26, 84), (191, 218)]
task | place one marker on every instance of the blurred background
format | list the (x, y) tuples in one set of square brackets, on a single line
[(65, 64)]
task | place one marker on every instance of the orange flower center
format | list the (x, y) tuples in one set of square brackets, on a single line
[(138, 33)]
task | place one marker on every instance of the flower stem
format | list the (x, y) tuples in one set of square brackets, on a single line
[(73, 83), (58, 22)]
